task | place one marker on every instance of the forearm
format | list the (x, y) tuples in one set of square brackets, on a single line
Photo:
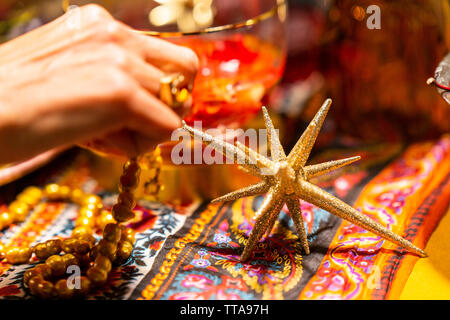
[(37, 117)]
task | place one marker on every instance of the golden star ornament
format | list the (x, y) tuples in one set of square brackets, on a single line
[(286, 180)]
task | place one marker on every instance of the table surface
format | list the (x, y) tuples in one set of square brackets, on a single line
[(430, 278)]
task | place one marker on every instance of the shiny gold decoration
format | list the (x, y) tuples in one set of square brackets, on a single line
[(197, 20), (19, 209), (285, 179), (80, 249), (279, 9), (174, 90), (189, 15), (152, 163)]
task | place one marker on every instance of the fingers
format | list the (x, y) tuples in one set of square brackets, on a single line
[(122, 144), (147, 59), (113, 55), (168, 57), (98, 28), (151, 116), (147, 75), (162, 53), (185, 108), (151, 122), (165, 54), (99, 78)]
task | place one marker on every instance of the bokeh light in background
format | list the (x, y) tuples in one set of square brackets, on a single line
[(375, 77), (189, 15)]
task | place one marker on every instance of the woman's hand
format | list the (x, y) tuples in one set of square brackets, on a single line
[(86, 78)]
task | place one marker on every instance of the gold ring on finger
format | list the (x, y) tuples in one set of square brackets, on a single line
[(174, 90)]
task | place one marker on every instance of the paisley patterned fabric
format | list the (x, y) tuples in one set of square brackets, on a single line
[(192, 252), (408, 197)]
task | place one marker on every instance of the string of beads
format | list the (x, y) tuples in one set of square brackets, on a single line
[(94, 259)]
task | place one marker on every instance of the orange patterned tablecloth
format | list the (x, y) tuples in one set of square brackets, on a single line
[(193, 254)]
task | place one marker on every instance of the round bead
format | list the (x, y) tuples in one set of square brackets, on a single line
[(20, 215), (62, 290), (26, 198), (44, 289), (124, 250), (18, 255), (79, 232), (68, 245), (84, 221), (52, 191), (69, 260), (77, 195), (122, 213), (91, 199), (19, 210), (41, 251), (97, 276), (57, 265), (131, 167), (89, 238), (25, 254), (30, 273), (6, 218), (82, 246), (54, 246), (104, 218), (34, 282), (83, 233), (94, 208), (112, 232), (107, 249), (127, 199), (87, 212), (85, 286), (103, 263), (33, 191), (65, 192), (127, 235), (128, 182), (44, 270)]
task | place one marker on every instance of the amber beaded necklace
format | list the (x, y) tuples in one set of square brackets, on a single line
[(95, 259)]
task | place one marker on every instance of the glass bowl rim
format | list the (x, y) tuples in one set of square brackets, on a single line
[(249, 22)]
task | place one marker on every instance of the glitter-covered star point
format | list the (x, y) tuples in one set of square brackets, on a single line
[(285, 180)]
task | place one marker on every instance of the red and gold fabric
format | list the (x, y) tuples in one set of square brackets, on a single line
[(192, 253)]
